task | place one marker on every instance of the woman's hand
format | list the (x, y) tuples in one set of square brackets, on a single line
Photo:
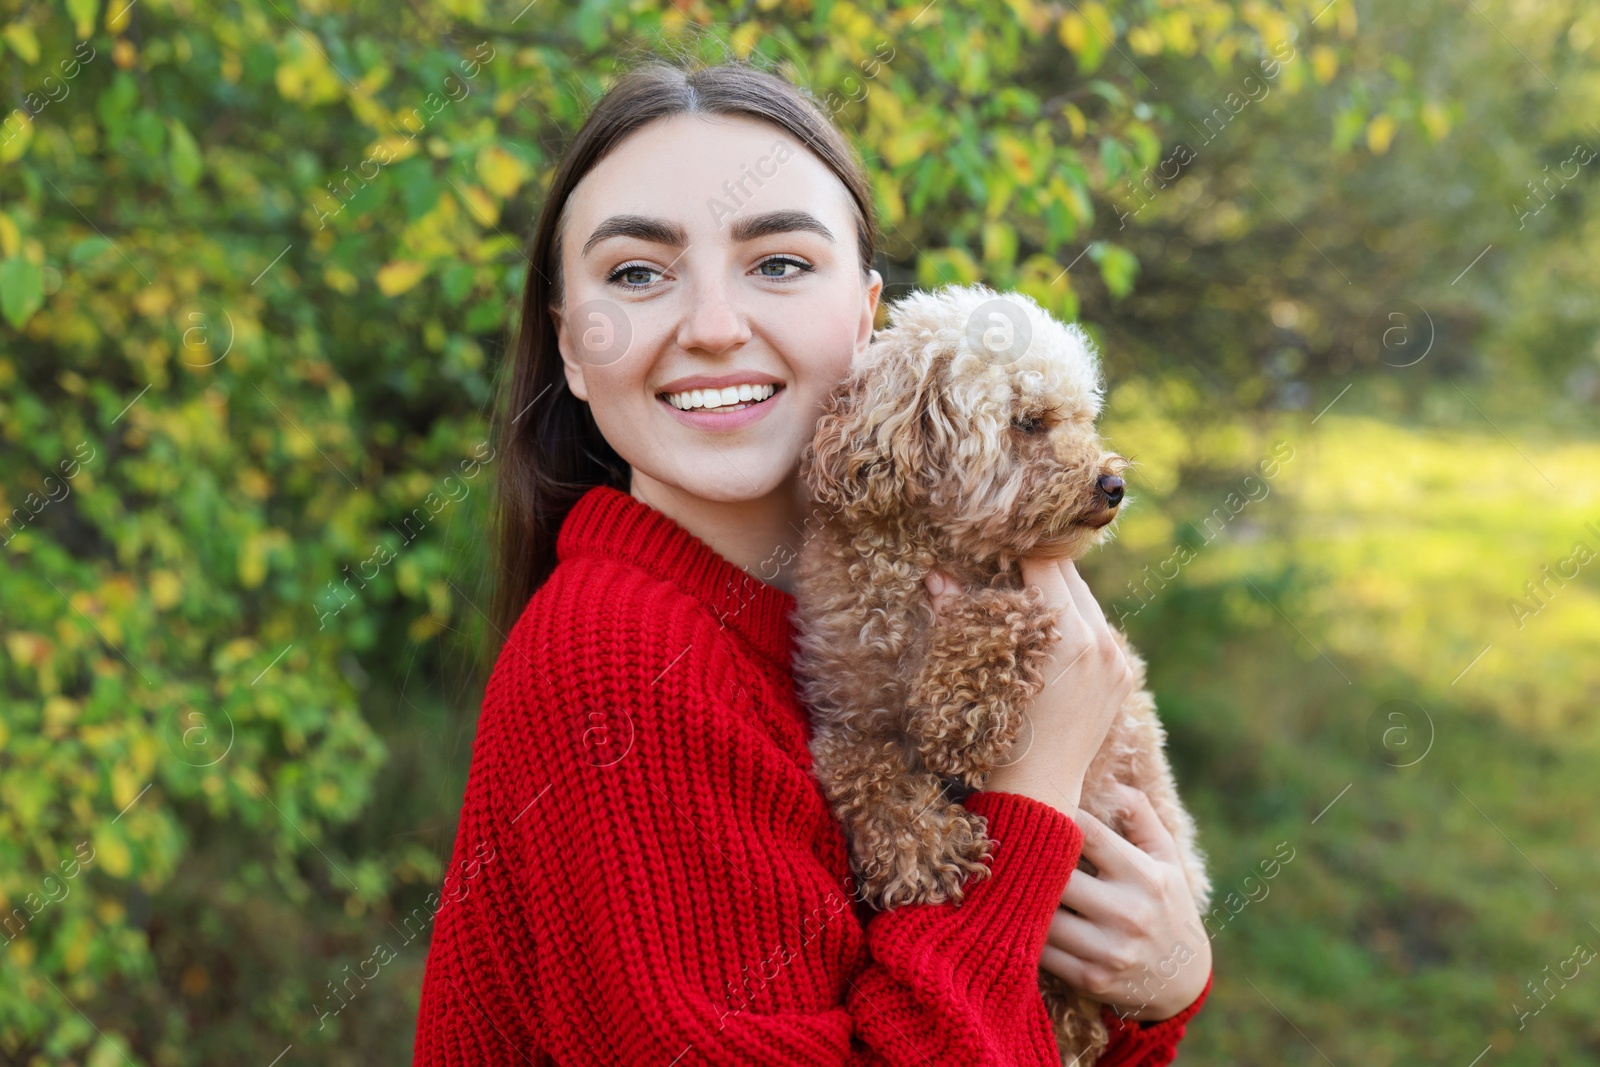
[(1087, 678), (1128, 937)]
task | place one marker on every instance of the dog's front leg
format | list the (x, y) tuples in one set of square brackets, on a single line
[(980, 674), (909, 842)]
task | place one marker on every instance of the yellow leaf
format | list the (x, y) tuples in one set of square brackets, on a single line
[(23, 41), (1436, 121), (894, 206), (1145, 41), (252, 561), (256, 485), (1178, 28), (10, 237), (1347, 21), (153, 301), (82, 13), (424, 627), (1075, 119), (118, 16), (484, 212), (1324, 63), (1099, 19), (502, 172), (111, 852), (77, 953), (1014, 154), (386, 150), (142, 749), (339, 280), (306, 75), (408, 576), (1073, 31), (1380, 131), (124, 786), (22, 953), (13, 149), (399, 275), (59, 712), (165, 588)]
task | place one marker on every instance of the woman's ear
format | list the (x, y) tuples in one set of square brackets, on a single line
[(569, 359), (869, 315)]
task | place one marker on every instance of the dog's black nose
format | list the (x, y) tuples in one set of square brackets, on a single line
[(1111, 488)]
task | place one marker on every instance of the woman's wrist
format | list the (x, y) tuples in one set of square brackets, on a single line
[(1060, 791)]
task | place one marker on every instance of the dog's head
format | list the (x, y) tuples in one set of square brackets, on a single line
[(972, 416)]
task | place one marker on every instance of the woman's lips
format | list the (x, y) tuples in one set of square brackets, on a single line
[(717, 419)]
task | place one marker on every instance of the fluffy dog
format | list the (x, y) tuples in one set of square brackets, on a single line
[(963, 442)]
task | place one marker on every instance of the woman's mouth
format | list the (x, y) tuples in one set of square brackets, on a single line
[(722, 409)]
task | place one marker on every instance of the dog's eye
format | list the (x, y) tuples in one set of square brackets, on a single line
[(1028, 423)]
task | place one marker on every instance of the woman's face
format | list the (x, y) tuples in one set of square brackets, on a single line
[(705, 255)]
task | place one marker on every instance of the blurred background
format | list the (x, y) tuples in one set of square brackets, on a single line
[(258, 264)]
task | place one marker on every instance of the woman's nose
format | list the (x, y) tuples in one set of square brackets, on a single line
[(713, 321)]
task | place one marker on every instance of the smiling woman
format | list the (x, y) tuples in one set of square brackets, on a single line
[(665, 311), (642, 764)]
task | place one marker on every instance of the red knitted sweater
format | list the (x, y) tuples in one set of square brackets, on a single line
[(645, 872)]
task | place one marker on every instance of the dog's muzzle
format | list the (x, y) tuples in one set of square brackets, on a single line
[(1109, 492)]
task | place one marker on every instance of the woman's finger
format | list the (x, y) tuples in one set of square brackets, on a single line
[(1047, 576), (1112, 855), (1088, 606), (1093, 898), (1077, 935), (1044, 573), (1144, 828), (1065, 966)]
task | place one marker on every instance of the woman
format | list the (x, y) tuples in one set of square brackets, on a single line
[(645, 872)]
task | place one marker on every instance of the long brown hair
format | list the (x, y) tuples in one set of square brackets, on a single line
[(550, 450)]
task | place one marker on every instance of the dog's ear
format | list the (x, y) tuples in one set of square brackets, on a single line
[(834, 465), (874, 442)]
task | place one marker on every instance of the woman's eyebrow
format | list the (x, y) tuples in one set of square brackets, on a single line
[(656, 231), (662, 232), (772, 222)]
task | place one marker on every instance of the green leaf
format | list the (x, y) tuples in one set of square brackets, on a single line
[(150, 132), (1118, 267), (83, 13), (184, 155), (87, 250), (115, 103), (21, 290)]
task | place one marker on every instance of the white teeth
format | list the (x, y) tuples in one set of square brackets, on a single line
[(720, 398)]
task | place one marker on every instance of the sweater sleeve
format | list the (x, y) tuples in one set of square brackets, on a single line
[(1138, 1044), (661, 897)]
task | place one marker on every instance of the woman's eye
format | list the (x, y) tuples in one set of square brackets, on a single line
[(781, 263), (633, 275)]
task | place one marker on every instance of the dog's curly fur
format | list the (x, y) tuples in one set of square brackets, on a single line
[(938, 454)]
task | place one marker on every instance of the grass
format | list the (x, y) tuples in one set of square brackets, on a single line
[(1347, 640)]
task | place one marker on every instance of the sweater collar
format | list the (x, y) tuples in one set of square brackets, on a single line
[(610, 524)]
